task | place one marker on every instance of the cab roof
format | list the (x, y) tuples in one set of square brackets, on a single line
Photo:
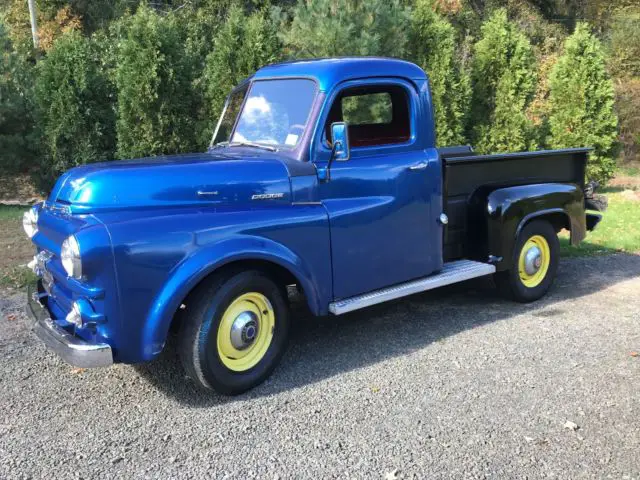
[(330, 71)]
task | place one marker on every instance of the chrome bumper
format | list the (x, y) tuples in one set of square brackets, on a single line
[(72, 349)]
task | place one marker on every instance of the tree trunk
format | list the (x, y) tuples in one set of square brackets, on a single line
[(34, 23)]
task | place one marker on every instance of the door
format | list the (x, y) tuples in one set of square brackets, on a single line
[(380, 201)]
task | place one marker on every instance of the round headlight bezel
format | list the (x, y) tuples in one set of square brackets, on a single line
[(70, 257), (30, 222)]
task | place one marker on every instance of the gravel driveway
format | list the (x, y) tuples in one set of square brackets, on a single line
[(455, 383)]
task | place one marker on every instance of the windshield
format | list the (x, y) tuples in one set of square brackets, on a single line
[(274, 113)]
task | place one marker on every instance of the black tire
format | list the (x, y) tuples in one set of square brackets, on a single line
[(509, 282), (198, 347)]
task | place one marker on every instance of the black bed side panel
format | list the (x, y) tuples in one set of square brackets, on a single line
[(469, 179)]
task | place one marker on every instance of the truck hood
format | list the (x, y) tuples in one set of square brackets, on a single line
[(174, 180)]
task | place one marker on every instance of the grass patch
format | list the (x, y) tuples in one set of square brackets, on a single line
[(15, 248), (631, 170), (11, 212), (17, 277), (619, 230), (627, 177)]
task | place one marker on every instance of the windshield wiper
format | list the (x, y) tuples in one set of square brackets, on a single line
[(250, 144)]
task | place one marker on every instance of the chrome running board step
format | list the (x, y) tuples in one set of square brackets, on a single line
[(452, 272)]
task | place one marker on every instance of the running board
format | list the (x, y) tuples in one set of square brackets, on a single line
[(452, 272)]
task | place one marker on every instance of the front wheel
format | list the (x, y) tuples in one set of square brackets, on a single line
[(234, 332), (534, 263)]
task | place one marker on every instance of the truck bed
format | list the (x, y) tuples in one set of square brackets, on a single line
[(469, 178)]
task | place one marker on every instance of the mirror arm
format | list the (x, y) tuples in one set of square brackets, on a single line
[(325, 173), (336, 146)]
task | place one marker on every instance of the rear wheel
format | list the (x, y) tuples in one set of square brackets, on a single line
[(534, 263), (234, 332)]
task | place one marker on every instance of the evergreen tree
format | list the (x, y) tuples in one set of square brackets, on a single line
[(201, 26), (75, 104), (16, 119), (242, 45), (327, 28), (504, 82), (581, 98), (154, 74), (433, 47)]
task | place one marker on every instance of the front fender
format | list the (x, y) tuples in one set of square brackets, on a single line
[(509, 209), (188, 273)]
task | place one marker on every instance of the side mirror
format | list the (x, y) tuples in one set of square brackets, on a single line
[(340, 140)]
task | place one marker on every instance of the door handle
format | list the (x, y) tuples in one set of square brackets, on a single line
[(419, 166)]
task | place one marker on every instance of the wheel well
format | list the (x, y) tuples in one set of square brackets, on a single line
[(557, 219), (279, 274)]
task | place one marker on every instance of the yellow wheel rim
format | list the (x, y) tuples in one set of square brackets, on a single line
[(534, 261), (245, 331)]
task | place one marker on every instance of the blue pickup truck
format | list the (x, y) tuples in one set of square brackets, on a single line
[(321, 174)]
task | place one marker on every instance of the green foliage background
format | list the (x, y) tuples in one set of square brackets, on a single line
[(433, 43), (127, 78), (243, 44), (16, 105), (504, 79), (75, 107), (153, 77), (581, 102)]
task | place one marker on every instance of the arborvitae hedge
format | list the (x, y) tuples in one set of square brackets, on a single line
[(16, 108), (504, 81), (434, 48), (76, 107), (242, 45), (581, 98), (154, 78), (327, 28)]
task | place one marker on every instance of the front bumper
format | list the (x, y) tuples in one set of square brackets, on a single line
[(70, 348)]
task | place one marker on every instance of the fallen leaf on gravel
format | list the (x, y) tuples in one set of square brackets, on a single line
[(77, 371), (635, 354), (12, 316), (392, 475), (570, 425), (375, 389)]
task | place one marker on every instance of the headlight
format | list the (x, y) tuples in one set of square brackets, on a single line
[(30, 222), (74, 316), (70, 256)]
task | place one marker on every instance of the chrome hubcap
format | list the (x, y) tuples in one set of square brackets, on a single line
[(532, 260), (244, 330)]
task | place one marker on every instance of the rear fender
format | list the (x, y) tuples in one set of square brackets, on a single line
[(195, 268), (510, 209)]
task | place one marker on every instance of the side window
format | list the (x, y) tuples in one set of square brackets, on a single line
[(376, 115), (367, 109)]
